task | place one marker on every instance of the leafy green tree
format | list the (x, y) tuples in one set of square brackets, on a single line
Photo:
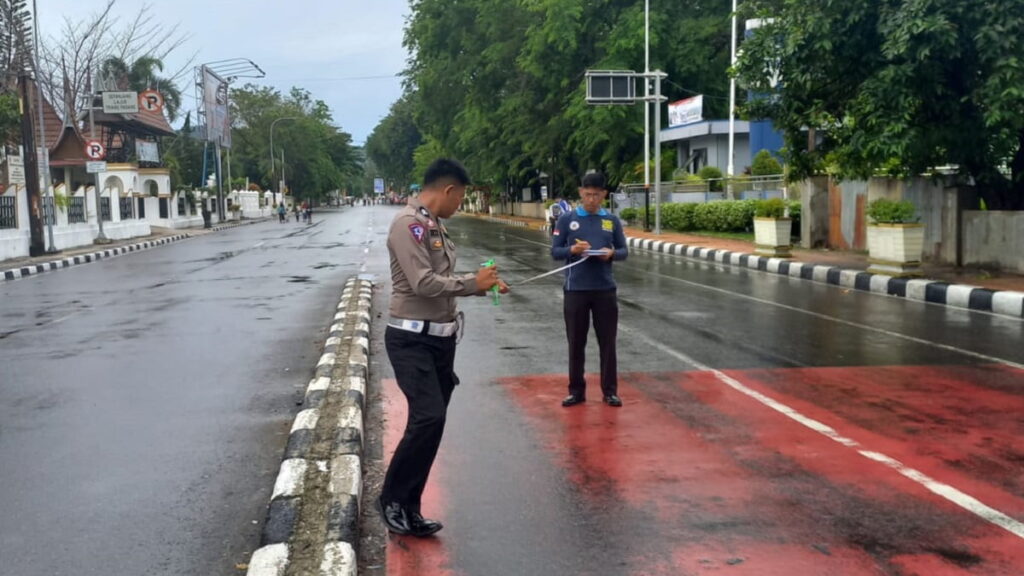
[(765, 164), (142, 74), (895, 85), (393, 142)]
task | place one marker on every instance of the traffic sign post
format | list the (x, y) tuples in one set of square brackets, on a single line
[(120, 102), (95, 167), (95, 150), (151, 101)]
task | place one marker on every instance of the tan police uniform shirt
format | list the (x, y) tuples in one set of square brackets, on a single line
[(422, 262)]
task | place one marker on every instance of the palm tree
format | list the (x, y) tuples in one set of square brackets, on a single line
[(142, 75)]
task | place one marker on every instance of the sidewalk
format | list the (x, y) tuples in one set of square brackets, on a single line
[(990, 279), (16, 268)]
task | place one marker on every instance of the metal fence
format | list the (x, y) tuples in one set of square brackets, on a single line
[(105, 209), (49, 212), (632, 195), (76, 210), (8, 212)]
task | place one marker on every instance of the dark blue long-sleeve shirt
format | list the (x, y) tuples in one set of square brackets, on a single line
[(601, 230)]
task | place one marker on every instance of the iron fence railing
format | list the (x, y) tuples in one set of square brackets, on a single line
[(8, 212), (76, 210)]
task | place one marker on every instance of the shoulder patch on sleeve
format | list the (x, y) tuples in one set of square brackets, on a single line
[(607, 225), (418, 231)]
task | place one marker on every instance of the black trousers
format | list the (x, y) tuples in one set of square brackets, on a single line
[(424, 367), (604, 307)]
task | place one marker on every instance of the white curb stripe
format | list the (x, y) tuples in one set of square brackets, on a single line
[(880, 283), (291, 479), (339, 560), (1009, 303), (346, 475), (959, 295), (306, 420), (269, 561), (916, 289), (319, 384)]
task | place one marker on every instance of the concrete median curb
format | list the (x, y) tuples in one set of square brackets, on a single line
[(1003, 303), (312, 525), (60, 264)]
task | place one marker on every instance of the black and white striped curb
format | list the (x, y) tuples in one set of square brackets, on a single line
[(32, 270), (1002, 302), (236, 224), (312, 523)]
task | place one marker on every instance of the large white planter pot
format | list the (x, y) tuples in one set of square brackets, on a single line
[(772, 237), (895, 249)]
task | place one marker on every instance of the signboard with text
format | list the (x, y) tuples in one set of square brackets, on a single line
[(95, 167), (378, 185), (15, 170), (121, 102), (686, 111)]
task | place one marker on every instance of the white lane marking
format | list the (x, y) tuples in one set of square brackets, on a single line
[(261, 243), (914, 339), (965, 501)]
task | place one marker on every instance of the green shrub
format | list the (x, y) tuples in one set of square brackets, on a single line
[(771, 208), (885, 211), (795, 207), (678, 217), (765, 164), (709, 173), (725, 215)]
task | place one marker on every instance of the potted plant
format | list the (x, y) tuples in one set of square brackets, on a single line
[(895, 238), (772, 229)]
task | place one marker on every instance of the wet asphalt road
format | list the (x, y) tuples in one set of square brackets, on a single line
[(145, 400), (700, 472)]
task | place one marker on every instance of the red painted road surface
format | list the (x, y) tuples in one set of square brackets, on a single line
[(693, 476)]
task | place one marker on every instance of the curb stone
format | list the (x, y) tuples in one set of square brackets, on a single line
[(34, 269), (963, 296), (333, 409)]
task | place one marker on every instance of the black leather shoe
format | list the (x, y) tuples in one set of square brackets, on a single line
[(422, 527), (573, 399), (613, 400), (395, 517)]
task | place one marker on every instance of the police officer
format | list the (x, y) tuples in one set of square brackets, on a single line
[(593, 233), (421, 336)]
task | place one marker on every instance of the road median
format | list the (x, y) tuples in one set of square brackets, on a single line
[(312, 525)]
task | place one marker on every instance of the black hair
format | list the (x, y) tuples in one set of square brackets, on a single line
[(594, 180), (445, 169)]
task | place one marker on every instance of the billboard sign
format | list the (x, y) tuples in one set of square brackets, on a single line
[(686, 111), (378, 185), (121, 102), (215, 101)]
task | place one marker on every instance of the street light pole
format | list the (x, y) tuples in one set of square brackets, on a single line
[(732, 103), (273, 172), (647, 114)]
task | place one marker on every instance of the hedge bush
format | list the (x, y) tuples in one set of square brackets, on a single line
[(771, 208), (885, 211)]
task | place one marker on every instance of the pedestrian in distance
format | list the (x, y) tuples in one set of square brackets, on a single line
[(295, 211), (595, 235), (281, 212), (556, 211), (421, 336)]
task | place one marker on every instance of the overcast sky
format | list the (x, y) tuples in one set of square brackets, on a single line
[(327, 47)]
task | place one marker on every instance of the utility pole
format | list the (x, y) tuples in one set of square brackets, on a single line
[(47, 182), (36, 245), (730, 169)]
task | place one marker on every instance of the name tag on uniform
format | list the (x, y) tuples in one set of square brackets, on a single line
[(607, 225)]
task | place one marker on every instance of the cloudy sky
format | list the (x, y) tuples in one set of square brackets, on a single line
[(345, 52)]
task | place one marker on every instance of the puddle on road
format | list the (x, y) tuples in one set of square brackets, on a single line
[(323, 265), (299, 279)]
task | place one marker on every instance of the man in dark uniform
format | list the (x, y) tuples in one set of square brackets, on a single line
[(421, 336), (593, 233)]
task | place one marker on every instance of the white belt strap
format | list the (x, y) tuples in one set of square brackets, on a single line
[(443, 329)]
